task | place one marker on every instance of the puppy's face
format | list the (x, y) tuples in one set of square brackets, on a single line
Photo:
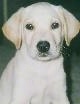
[(42, 32), (41, 28)]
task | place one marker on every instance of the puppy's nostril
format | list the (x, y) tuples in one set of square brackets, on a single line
[(43, 46)]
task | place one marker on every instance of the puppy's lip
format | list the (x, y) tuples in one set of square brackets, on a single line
[(43, 54), (43, 57)]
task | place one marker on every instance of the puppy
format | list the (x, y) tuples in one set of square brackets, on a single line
[(35, 75)]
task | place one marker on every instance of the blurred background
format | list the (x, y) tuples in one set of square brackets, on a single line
[(71, 54)]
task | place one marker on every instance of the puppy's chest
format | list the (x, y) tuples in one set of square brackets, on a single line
[(41, 72), (39, 80), (40, 76)]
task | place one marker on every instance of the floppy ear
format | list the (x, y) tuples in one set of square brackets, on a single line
[(71, 25), (11, 28)]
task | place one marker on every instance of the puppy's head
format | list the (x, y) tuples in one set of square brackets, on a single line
[(41, 28)]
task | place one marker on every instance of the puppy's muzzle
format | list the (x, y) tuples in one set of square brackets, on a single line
[(43, 47)]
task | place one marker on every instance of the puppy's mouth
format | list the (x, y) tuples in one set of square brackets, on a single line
[(43, 54)]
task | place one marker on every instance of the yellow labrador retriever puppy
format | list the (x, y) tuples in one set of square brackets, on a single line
[(35, 75)]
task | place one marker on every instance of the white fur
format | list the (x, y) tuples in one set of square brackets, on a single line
[(29, 78)]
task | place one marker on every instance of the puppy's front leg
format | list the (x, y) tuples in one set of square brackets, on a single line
[(21, 90), (56, 94), (20, 95)]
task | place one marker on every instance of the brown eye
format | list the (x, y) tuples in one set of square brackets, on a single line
[(55, 25), (29, 27)]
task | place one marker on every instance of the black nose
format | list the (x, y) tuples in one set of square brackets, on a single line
[(43, 46)]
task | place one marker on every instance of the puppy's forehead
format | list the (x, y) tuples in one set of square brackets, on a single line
[(41, 10)]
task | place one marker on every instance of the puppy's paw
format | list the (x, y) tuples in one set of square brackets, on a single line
[(36, 100), (48, 100)]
